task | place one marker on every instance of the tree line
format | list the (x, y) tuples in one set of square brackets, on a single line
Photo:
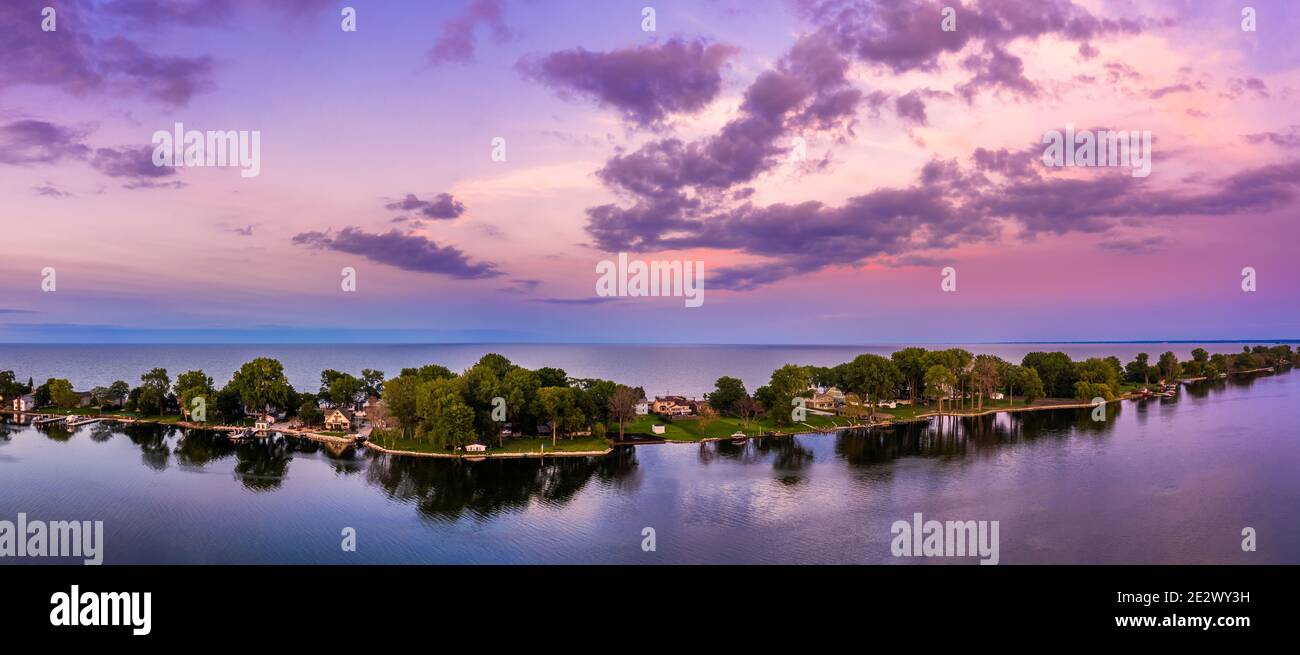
[(957, 377)]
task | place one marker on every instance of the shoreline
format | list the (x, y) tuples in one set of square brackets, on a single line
[(364, 442)]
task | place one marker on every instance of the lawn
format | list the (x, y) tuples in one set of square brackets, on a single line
[(515, 445), (692, 428)]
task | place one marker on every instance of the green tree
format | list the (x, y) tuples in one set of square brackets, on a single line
[(726, 393), (400, 395), (119, 390), (443, 413), (156, 382), (787, 383), (194, 384), (555, 403), (372, 382), (61, 393), (622, 407), (939, 382), (521, 387), (873, 378), (345, 390), (1169, 366), (261, 383), (1056, 370), (986, 373), (911, 364), (1031, 386), (552, 377), (1139, 370), (310, 414)]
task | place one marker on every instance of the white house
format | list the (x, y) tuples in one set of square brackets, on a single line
[(997, 395), (642, 407), (264, 422), (338, 420), (476, 447), (657, 428), (25, 403)]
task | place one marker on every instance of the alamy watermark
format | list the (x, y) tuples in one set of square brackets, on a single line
[(215, 148), (683, 279), (1103, 148), (921, 538), (24, 538)]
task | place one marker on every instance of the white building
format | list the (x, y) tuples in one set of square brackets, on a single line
[(476, 448), (642, 407), (657, 428)]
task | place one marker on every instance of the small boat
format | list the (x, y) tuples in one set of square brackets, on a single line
[(739, 437)]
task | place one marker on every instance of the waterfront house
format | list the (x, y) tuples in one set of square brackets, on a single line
[(671, 405), (338, 420), (822, 401), (997, 395), (476, 447), (25, 403), (642, 407), (263, 422)]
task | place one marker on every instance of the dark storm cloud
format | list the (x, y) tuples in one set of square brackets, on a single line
[(405, 251)]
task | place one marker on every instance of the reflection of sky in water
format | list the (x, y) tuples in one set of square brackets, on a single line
[(1159, 481)]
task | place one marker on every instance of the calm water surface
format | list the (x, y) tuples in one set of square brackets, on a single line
[(1167, 481)]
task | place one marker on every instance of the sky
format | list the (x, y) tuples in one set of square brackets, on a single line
[(846, 172)]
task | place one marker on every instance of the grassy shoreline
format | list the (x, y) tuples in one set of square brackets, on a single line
[(682, 430)]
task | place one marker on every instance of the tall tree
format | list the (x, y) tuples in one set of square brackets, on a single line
[(986, 372), (911, 363), (261, 383), (622, 407), (939, 382), (156, 382), (373, 382), (726, 393), (194, 384), (555, 403)]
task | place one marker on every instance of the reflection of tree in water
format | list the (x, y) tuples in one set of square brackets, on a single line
[(345, 459), (198, 448), (788, 455), (957, 437), (55, 432), (713, 451), (261, 464), (449, 487), (101, 432), (152, 440)]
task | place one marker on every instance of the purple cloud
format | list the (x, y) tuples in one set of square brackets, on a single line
[(1289, 139), (50, 191), (73, 60), (405, 251), (645, 83), (456, 42), (442, 207), (28, 142), (136, 165), (905, 36), (1136, 245)]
